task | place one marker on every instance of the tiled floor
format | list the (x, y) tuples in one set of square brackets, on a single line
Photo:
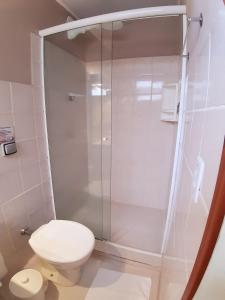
[(137, 226), (100, 260), (89, 272), (173, 279)]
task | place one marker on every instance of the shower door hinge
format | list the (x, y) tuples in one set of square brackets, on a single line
[(186, 55)]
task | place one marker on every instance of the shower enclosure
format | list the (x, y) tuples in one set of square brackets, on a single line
[(112, 91)]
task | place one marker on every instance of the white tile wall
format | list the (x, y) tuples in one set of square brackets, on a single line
[(25, 193), (138, 132), (142, 150), (5, 97), (204, 135)]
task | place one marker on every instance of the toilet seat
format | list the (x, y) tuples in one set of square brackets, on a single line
[(62, 241)]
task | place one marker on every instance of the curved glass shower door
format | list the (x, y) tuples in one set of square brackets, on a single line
[(145, 80), (75, 102), (112, 153)]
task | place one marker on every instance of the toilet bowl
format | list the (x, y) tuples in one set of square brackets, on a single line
[(63, 247)]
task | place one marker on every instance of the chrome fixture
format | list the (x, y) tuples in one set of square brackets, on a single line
[(189, 21), (186, 55), (26, 231), (196, 19)]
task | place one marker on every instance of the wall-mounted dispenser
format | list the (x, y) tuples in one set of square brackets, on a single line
[(7, 141), (170, 102)]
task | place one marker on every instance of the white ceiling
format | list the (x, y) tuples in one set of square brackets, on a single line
[(87, 8)]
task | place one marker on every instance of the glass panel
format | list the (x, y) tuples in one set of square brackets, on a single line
[(106, 126), (145, 76), (73, 106)]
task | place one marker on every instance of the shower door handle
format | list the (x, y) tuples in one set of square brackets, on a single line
[(106, 139)]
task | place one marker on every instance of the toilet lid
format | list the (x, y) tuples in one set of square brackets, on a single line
[(62, 241)]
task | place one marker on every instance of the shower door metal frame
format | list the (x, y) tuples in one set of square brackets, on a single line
[(179, 141), (160, 11)]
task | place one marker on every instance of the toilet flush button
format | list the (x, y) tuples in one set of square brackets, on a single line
[(25, 280)]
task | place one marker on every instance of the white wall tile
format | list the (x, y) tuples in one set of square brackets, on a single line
[(38, 101), (47, 191), (193, 142), (42, 148), (24, 127), (39, 121), (5, 102), (9, 163), (33, 199), (204, 134), (213, 140), (45, 174), (15, 216), (22, 98), (182, 206), (195, 226), (35, 207), (30, 175), (216, 87), (6, 246), (6, 120), (142, 147), (133, 124), (50, 215), (189, 105), (10, 185), (188, 121), (202, 55), (28, 152), (38, 218)]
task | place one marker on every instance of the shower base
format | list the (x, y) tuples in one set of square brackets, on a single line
[(137, 226)]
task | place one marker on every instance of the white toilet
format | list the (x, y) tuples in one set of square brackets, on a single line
[(63, 246)]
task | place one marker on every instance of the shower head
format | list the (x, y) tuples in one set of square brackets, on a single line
[(73, 33)]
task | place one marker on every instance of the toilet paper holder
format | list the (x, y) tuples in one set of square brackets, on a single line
[(7, 141)]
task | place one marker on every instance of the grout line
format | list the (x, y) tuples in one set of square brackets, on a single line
[(187, 164), (14, 124), (26, 140), (174, 258), (20, 194), (7, 230), (36, 132), (206, 109)]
